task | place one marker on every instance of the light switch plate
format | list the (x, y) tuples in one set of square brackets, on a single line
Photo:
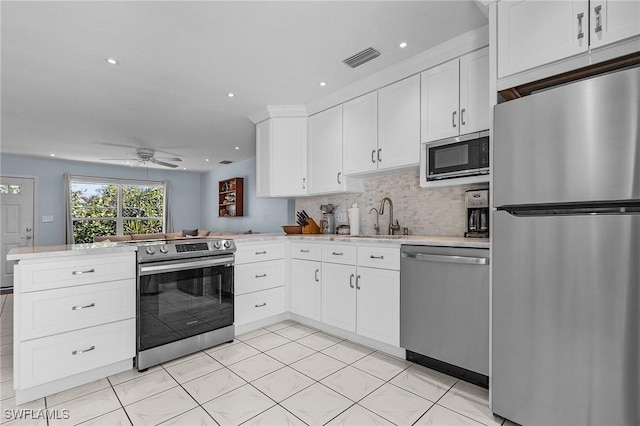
[(47, 219)]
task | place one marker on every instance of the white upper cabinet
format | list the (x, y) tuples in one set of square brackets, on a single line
[(325, 154), (360, 144), (613, 20), (399, 124), (455, 97), (281, 157), (533, 33), (440, 101), (325, 151)]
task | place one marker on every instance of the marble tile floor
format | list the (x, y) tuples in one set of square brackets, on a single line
[(283, 374)]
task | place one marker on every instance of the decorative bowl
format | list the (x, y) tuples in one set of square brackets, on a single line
[(292, 229)]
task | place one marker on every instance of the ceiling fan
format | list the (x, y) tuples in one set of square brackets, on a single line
[(147, 155)]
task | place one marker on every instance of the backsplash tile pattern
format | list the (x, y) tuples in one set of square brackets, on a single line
[(433, 211)]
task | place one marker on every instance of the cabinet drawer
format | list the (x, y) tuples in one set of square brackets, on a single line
[(379, 257), (258, 305), (259, 253), (306, 251), (57, 357), (81, 270), (337, 253), (259, 276), (43, 313)]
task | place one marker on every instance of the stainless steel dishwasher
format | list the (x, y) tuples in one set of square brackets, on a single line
[(444, 310)]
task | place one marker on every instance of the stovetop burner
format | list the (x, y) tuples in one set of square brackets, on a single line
[(159, 250)]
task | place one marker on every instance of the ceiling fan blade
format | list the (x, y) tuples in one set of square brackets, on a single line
[(169, 158), (162, 163), (118, 159)]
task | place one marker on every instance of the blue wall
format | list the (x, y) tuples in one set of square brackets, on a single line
[(194, 196), (185, 189), (260, 214)]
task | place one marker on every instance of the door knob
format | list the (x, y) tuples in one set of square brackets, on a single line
[(28, 229)]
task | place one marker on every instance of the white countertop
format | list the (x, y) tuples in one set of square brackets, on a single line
[(395, 240), (21, 253), (243, 239)]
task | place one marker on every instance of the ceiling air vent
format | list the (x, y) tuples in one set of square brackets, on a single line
[(362, 57), (226, 162)]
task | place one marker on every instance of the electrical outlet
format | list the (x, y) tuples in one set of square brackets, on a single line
[(47, 219), (341, 217)]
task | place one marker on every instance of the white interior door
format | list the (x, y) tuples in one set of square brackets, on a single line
[(16, 220)]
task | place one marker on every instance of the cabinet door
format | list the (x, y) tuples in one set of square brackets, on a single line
[(612, 21), (325, 151), (533, 33), (378, 305), (339, 295), (360, 143), (440, 101), (474, 92), (263, 159), (306, 291), (399, 124), (289, 157)]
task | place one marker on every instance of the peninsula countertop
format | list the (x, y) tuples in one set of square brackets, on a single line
[(66, 250)]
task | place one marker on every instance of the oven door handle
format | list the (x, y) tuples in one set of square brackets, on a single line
[(219, 261)]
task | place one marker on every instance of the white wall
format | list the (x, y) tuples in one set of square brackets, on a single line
[(260, 214), (185, 190)]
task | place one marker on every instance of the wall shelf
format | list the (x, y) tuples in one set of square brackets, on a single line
[(230, 197)]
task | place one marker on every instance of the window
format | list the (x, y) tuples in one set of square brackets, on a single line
[(10, 189), (112, 207)]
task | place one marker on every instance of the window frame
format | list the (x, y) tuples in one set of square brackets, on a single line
[(119, 183)]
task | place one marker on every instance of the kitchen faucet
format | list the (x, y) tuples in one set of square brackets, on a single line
[(377, 225), (393, 227)]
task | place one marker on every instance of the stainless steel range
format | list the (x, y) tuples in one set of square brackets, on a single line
[(185, 298)]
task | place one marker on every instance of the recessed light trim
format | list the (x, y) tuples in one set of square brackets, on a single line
[(112, 61), (231, 95), (52, 155), (402, 44), (207, 160), (323, 83), (237, 147)]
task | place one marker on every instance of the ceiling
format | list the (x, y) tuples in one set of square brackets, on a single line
[(178, 60)]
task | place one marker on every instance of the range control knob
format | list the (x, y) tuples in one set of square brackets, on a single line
[(163, 249), (216, 245), (150, 250), (227, 244)]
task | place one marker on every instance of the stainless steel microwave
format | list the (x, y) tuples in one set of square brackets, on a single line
[(462, 156)]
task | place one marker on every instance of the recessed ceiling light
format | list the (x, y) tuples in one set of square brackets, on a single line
[(112, 61), (237, 147), (52, 155), (206, 159), (323, 83), (402, 45), (184, 168), (231, 95)]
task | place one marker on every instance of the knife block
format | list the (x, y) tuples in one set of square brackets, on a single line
[(311, 227)]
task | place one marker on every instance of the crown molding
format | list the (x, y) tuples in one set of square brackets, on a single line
[(273, 111)]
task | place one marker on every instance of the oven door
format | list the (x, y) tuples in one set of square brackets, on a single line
[(466, 155), (183, 298)]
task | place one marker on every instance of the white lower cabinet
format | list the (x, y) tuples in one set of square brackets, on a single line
[(259, 279), (306, 290), (75, 321), (378, 305), (362, 299)]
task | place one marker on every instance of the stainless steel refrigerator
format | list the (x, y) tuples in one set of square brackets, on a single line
[(566, 254)]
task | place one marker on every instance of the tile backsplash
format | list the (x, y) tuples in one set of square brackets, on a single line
[(433, 211)]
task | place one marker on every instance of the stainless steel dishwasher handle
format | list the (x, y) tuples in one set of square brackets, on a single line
[(447, 259)]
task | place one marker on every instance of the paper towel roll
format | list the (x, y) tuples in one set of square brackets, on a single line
[(354, 220)]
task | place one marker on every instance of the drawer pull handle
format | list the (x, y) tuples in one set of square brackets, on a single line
[(351, 280), (376, 257), (88, 271), (83, 351), (305, 251), (261, 252), (335, 253), (77, 308), (316, 275), (261, 305), (192, 322), (261, 276)]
